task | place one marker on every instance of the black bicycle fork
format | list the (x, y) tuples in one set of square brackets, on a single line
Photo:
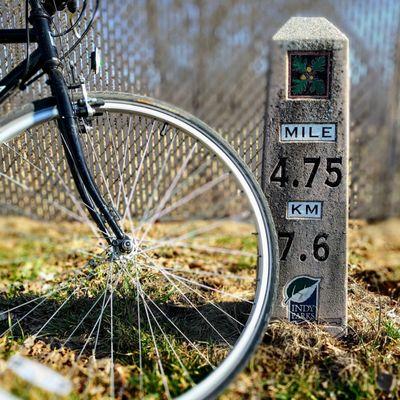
[(67, 123)]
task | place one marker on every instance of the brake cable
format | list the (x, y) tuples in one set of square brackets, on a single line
[(78, 41)]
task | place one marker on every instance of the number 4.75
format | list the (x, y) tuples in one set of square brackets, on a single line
[(280, 175)]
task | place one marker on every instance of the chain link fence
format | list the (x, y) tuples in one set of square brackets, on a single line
[(210, 57)]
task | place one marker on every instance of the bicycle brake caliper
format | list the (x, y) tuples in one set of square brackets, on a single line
[(84, 109)]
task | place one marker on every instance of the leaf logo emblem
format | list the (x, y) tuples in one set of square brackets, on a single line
[(301, 289)]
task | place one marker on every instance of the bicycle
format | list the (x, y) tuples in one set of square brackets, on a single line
[(178, 291)]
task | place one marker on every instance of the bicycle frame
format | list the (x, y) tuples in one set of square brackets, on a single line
[(20, 75), (45, 58)]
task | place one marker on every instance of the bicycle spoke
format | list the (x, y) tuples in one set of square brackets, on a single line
[(139, 171), (160, 365), (160, 175), (78, 203), (192, 344), (112, 382), (99, 319), (209, 274), (205, 298), (186, 373), (195, 193), (81, 321), (139, 334), (27, 314), (185, 282), (195, 308), (104, 179), (103, 308), (56, 312), (167, 194), (209, 249), (198, 284), (161, 211), (189, 235), (121, 186), (120, 173)]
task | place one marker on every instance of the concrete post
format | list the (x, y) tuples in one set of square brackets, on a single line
[(305, 169)]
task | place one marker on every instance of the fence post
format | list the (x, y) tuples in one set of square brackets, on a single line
[(390, 185), (305, 169)]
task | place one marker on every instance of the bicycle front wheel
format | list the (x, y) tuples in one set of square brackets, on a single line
[(180, 315)]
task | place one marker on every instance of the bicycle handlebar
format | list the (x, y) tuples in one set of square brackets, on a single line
[(52, 6)]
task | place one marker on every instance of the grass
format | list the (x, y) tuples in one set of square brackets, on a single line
[(290, 363), (392, 331)]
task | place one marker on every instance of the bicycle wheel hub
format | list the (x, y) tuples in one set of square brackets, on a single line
[(124, 245)]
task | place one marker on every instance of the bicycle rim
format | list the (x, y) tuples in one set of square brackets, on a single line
[(180, 316)]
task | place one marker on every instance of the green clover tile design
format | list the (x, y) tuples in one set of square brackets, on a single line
[(309, 75)]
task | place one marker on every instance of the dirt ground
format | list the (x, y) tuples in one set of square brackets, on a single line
[(292, 362)]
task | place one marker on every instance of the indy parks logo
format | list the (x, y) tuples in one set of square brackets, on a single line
[(301, 296)]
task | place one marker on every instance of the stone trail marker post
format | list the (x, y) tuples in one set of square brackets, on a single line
[(305, 169)]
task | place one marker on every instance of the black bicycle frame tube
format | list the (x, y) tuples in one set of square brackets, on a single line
[(20, 75), (40, 20), (87, 200)]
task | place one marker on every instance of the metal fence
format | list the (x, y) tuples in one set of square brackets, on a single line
[(210, 57)]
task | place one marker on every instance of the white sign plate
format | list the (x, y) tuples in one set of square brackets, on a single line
[(295, 133), (7, 396), (304, 210), (39, 375)]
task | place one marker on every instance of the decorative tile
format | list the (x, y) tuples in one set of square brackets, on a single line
[(309, 74)]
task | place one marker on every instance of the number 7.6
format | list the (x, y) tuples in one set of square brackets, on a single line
[(320, 247)]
